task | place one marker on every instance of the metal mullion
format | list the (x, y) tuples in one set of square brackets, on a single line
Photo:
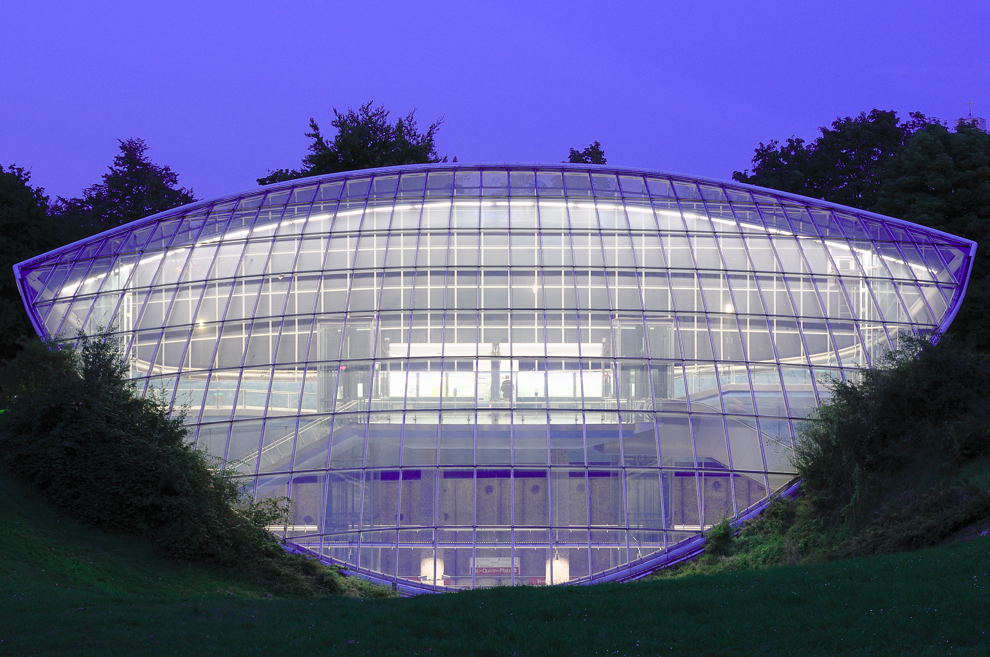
[(95, 296), (482, 269), (221, 317), (205, 284), (316, 313), (149, 290), (75, 297), (474, 474), (913, 235), (657, 409), (844, 292), (273, 349), (407, 331), (711, 340), (166, 314), (773, 344), (285, 302), (867, 278), (697, 278), (302, 387), (194, 294), (69, 262), (374, 360), (45, 276), (959, 278), (541, 312), (347, 321), (842, 288), (539, 272), (124, 291), (161, 334), (674, 335), (50, 295), (154, 285), (445, 305), (613, 361), (821, 302), (794, 306), (208, 369), (743, 346), (405, 398), (914, 276), (478, 317), (866, 284), (566, 235)]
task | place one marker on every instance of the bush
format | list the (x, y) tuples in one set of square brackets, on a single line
[(924, 519), (922, 413), (719, 541), (896, 461), (77, 432)]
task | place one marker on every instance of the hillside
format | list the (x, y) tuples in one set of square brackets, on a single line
[(68, 589), (45, 553)]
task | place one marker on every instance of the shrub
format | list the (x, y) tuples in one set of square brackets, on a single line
[(919, 414), (719, 541), (898, 460), (76, 431)]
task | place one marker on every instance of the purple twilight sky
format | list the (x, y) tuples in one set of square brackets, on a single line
[(222, 91)]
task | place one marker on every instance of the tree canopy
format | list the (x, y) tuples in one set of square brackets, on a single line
[(843, 165), (592, 154), (942, 179), (133, 187), (365, 138), (27, 231), (917, 170)]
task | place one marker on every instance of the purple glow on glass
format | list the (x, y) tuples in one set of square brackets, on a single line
[(466, 376)]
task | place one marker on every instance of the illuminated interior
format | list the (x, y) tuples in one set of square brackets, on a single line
[(478, 376)]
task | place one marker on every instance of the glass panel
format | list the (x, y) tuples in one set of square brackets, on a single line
[(503, 376)]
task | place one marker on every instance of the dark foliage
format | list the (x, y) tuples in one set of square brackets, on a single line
[(593, 154), (132, 188), (76, 431), (720, 539), (365, 139), (899, 460), (942, 179), (922, 413), (917, 170), (917, 520), (844, 164), (27, 231)]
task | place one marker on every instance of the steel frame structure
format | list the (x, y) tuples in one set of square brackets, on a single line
[(472, 375)]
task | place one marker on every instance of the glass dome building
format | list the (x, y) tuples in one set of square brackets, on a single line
[(468, 376)]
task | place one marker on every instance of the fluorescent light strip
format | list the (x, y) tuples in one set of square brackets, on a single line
[(71, 288)]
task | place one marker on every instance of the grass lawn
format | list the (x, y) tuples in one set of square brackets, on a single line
[(66, 589)]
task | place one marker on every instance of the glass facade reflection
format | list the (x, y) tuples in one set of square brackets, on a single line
[(474, 376)]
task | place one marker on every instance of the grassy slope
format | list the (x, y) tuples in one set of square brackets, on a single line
[(66, 589), (42, 552)]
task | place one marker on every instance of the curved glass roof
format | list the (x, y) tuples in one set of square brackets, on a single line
[(469, 376)]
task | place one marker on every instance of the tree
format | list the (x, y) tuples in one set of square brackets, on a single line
[(917, 170), (76, 430), (132, 188), (365, 139), (843, 165), (593, 154), (27, 231), (922, 409), (942, 179)]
